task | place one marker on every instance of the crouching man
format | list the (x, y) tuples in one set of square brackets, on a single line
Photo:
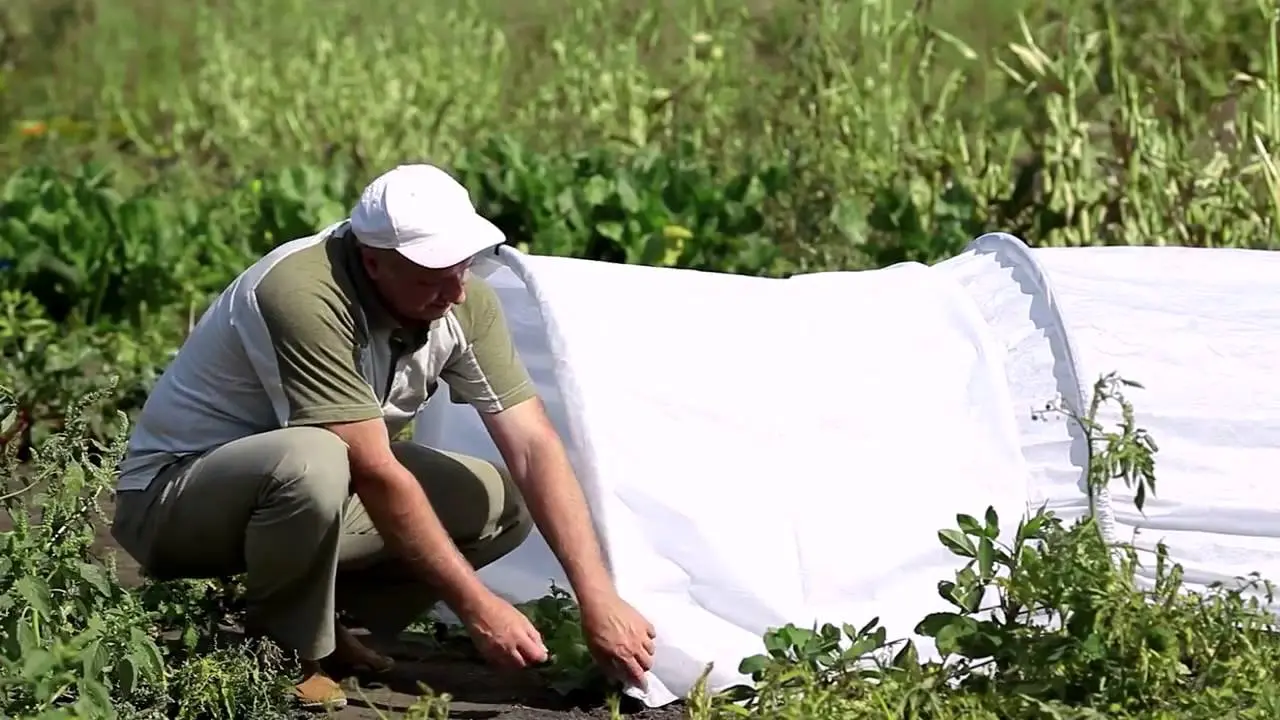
[(265, 448)]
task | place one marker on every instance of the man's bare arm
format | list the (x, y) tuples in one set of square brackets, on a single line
[(404, 517), (539, 465)]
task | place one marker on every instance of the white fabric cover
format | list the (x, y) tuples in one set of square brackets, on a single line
[(1199, 328), (761, 451)]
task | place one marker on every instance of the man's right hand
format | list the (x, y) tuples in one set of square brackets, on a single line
[(503, 635), (404, 517)]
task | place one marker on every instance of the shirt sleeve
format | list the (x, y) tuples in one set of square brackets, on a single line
[(487, 373), (313, 357)]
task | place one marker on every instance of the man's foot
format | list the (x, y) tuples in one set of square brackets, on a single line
[(351, 657), (317, 691)]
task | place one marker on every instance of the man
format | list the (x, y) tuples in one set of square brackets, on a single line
[(265, 448)]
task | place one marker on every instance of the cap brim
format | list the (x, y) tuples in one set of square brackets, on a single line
[(446, 249)]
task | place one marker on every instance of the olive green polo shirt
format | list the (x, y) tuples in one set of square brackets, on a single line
[(300, 338)]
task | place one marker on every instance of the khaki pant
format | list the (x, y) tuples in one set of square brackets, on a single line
[(278, 507)]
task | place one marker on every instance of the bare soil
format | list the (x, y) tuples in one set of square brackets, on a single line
[(478, 692)]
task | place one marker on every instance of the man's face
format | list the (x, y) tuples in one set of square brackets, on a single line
[(412, 292)]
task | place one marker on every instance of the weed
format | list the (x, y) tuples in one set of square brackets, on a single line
[(76, 642), (72, 634)]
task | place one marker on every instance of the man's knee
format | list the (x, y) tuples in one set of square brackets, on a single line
[(312, 469), (515, 520)]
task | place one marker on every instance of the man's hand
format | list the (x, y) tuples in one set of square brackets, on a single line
[(503, 635), (620, 639)]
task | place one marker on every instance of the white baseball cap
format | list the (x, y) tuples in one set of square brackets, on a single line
[(424, 214)]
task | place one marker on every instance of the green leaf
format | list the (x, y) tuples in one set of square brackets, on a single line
[(957, 542), (93, 693), (1093, 647), (775, 642), (755, 192), (969, 524), (36, 593), (96, 577), (28, 640), (993, 522), (863, 645), (611, 230), (596, 190), (653, 251), (907, 656), (797, 637), (946, 589), (950, 636), (94, 658), (986, 558), (126, 676), (73, 479), (1031, 528), (970, 597), (933, 623), (38, 663), (871, 625), (753, 665), (150, 661), (627, 196), (190, 637)]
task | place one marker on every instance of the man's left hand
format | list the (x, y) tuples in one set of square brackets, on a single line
[(619, 638)]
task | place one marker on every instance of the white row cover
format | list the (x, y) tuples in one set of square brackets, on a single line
[(763, 451)]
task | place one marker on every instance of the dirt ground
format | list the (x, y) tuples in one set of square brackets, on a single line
[(478, 692)]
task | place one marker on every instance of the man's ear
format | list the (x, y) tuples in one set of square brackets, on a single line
[(374, 261)]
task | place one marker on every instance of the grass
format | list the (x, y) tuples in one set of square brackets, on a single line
[(153, 149), (899, 129)]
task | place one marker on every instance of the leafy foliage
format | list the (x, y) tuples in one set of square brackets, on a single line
[(144, 171), (571, 668), (70, 629), (76, 642)]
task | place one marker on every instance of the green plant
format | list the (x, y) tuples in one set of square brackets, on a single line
[(87, 252), (73, 637), (642, 207), (74, 641), (246, 680), (1049, 625), (571, 668), (50, 367)]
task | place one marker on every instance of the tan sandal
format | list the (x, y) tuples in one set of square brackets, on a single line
[(319, 693)]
